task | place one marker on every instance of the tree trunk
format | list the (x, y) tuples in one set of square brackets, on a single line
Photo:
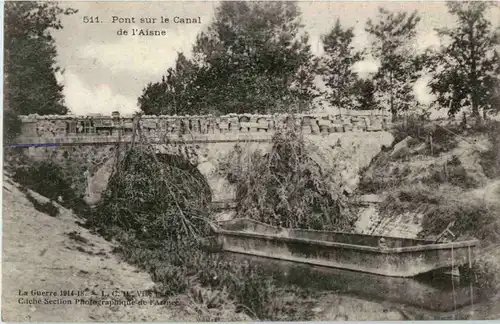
[(475, 113), (391, 103), (473, 72), (475, 109)]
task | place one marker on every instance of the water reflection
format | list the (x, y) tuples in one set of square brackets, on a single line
[(433, 295)]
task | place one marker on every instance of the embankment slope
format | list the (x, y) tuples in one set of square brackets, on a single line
[(47, 253)]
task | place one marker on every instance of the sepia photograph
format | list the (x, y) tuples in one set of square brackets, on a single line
[(244, 161)]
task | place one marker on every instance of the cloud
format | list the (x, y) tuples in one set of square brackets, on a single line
[(427, 40), (145, 55), (422, 92), (361, 37), (82, 100), (366, 67)]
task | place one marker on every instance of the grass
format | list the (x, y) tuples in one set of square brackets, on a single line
[(218, 289), (440, 139), (440, 206)]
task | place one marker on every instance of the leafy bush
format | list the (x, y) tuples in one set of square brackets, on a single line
[(454, 173), (158, 199), (285, 187), (444, 138), (11, 124), (440, 206), (490, 160), (49, 180)]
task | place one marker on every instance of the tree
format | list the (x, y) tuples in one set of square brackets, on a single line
[(392, 36), (30, 54), (171, 95), (364, 94), (29, 69), (251, 59), (337, 63), (466, 69)]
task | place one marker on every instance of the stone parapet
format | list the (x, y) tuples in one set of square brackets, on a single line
[(71, 129)]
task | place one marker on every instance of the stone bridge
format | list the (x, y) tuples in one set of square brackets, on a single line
[(86, 144)]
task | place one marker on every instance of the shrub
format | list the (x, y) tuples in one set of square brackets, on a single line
[(49, 180), (444, 138), (157, 199), (12, 125), (285, 187), (490, 160), (486, 273), (440, 206), (454, 173)]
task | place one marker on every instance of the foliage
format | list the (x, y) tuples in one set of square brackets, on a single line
[(251, 58), (155, 198), (467, 66), (337, 63), (418, 127), (486, 272), (490, 160), (364, 94), (49, 179), (399, 67), (30, 52), (286, 187), (11, 125), (440, 206), (387, 172), (170, 96)]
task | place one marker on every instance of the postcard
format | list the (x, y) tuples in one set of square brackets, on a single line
[(212, 161)]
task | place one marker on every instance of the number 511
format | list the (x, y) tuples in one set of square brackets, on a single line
[(90, 20)]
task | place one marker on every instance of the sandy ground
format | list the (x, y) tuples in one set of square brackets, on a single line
[(54, 254)]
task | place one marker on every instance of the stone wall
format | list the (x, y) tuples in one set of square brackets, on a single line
[(110, 129)]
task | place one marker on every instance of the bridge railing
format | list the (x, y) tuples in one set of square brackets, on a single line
[(81, 129)]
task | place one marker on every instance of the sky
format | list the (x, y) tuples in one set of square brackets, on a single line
[(105, 72)]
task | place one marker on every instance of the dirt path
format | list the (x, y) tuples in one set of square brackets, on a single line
[(44, 253)]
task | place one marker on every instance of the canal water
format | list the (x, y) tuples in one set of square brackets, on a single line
[(432, 296)]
